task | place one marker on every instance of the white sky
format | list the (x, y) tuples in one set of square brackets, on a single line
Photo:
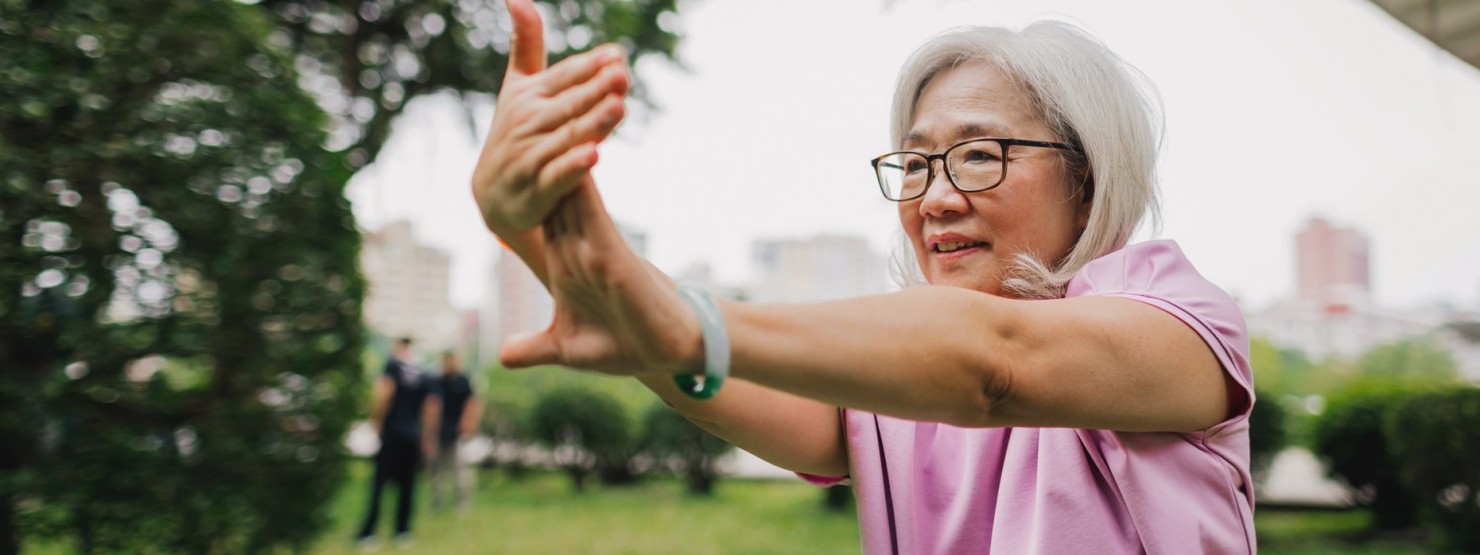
[(1275, 111)]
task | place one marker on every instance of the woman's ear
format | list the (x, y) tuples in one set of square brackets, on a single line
[(1086, 201)]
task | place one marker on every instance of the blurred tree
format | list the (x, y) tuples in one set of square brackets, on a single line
[(504, 421), (1413, 359), (366, 59), (1349, 437), (1266, 433), (1279, 371), (586, 430), (684, 447), (179, 300), (1436, 439), (179, 304)]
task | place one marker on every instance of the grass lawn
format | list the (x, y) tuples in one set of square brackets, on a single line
[(542, 514), (1284, 532)]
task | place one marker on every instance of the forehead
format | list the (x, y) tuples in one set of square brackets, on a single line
[(971, 100)]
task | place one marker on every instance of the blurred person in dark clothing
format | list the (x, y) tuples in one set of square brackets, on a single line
[(461, 411), (405, 411)]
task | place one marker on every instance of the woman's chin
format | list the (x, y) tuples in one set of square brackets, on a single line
[(985, 280)]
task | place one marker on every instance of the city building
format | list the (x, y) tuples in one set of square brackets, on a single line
[(1333, 265), (820, 268), (408, 284), (1333, 313), (517, 302)]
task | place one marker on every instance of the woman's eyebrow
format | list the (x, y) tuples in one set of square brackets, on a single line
[(972, 129)]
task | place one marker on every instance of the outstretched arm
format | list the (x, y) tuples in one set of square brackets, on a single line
[(930, 353)]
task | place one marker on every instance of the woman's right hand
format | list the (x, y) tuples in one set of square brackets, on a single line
[(546, 124)]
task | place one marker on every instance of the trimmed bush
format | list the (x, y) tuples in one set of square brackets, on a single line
[(1349, 436), (1437, 438), (684, 447), (505, 421), (587, 431)]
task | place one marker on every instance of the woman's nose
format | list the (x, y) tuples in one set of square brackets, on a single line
[(941, 197)]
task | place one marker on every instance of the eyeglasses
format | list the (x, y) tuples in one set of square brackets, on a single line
[(973, 166)]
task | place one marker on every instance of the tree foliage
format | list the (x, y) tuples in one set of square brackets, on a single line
[(1437, 438), (179, 303), (1411, 360), (683, 447), (1349, 435), (587, 431), (365, 59), (1266, 433), (179, 299)]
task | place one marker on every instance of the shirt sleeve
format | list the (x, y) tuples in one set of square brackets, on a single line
[(1158, 274)]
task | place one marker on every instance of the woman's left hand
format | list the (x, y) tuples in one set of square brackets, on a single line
[(614, 312)]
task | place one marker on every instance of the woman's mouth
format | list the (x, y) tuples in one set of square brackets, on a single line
[(952, 250)]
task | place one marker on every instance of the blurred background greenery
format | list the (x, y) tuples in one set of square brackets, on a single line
[(180, 303)]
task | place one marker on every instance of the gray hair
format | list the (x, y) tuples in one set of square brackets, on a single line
[(1090, 98)]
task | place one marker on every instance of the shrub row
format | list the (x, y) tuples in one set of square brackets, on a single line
[(1411, 451), (587, 432)]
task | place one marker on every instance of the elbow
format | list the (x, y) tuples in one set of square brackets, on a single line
[(988, 382), (988, 390)]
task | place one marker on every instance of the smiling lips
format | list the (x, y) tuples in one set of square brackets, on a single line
[(952, 245), (955, 246)]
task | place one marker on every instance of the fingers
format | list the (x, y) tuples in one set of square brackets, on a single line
[(527, 49), (572, 102), (593, 126), (579, 68), (562, 174), (529, 349)]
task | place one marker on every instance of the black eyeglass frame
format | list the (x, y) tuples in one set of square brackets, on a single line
[(930, 159)]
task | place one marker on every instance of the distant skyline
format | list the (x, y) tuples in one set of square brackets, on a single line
[(1276, 112)]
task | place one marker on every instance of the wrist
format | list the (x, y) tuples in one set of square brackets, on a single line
[(691, 355), (714, 347)]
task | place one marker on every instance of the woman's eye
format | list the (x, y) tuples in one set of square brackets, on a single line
[(980, 156), (916, 166)]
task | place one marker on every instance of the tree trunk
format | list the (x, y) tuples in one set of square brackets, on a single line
[(577, 477), (838, 498), (1394, 508), (10, 539), (701, 482)]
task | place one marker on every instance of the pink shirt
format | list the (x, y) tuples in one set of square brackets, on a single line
[(1059, 490)]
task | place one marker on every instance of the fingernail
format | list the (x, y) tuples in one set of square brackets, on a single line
[(613, 53)]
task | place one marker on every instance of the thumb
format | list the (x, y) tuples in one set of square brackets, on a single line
[(529, 349), (527, 48)]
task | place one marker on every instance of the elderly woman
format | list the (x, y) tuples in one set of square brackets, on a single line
[(1052, 389)]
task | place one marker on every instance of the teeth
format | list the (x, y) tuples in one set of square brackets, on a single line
[(948, 247)]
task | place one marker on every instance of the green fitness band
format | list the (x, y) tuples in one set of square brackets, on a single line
[(716, 346)]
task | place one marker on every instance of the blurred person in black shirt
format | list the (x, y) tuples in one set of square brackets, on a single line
[(461, 411), (405, 411)]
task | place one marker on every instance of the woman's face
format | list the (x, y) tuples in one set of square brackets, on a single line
[(1033, 211)]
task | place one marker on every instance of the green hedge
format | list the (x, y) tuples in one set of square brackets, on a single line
[(1349, 436), (1436, 436), (683, 446), (1266, 432), (587, 430)]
